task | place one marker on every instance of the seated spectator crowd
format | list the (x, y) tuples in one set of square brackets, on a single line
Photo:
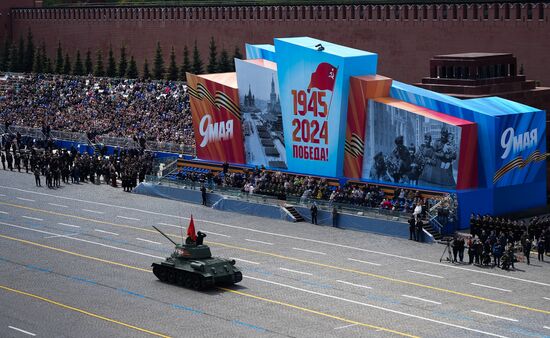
[(154, 111)]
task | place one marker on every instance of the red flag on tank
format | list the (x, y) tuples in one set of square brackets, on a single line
[(191, 229), (323, 77)]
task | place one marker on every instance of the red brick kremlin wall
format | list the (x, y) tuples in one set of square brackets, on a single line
[(404, 36)]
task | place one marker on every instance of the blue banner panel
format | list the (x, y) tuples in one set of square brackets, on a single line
[(266, 52), (314, 83)]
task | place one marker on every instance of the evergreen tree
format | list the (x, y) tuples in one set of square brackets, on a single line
[(186, 65), (67, 65), (38, 64), (158, 66), (21, 55), (213, 58), (224, 64), (13, 64), (111, 64), (78, 66), (236, 55), (197, 62), (59, 59), (132, 69), (5, 56), (99, 68), (48, 65), (29, 54), (88, 63), (173, 70), (123, 63), (146, 72)]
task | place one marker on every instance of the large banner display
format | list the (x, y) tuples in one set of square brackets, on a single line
[(314, 82), (405, 147), (214, 100), (262, 118)]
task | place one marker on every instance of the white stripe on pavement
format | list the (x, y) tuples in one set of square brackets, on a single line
[(58, 205), (244, 260), (546, 327), (56, 236), (285, 236), (106, 232), (22, 331), (33, 218), (69, 225), (310, 251), (345, 326), (377, 307), (25, 199), (130, 218), (546, 298), (3, 212), (93, 211), (2, 195), (146, 240), (422, 299), (490, 287), (295, 271), (255, 241), (365, 262), (168, 224), (217, 234), (425, 274), (83, 240), (495, 316), (357, 285)]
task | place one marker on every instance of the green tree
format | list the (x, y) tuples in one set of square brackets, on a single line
[(186, 65), (213, 57), (224, 65), (197, 62), (146, 72), (48, 65), (29, 53), (67, 65), (38, 64), (59, 59), (99, 68), (5, 56), (13, 64), (111, 64), (132, 69), (173, 70), (21, 55), (88, 63), (236, 55), (158, 66), (123, 63), (78, 66)]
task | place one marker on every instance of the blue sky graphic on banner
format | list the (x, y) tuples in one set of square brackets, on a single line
[(314, 96)]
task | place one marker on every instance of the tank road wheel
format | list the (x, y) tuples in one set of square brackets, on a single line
[(197, 283), (170, 276), (180, 278), (157, 271), (160, 272), (188, 280), (237, 277)]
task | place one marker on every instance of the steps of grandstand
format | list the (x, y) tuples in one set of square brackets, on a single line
[(294, 213), (429, 228)]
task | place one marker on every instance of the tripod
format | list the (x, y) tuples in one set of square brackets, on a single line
[(447, 250)]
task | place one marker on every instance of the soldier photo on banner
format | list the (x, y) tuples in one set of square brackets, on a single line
[(403, 147)]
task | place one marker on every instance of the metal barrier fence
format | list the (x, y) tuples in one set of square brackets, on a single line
[(170, 147)]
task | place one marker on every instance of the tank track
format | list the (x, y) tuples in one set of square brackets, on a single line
[(188, 279)]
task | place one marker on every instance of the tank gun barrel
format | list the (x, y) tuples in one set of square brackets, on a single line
[(162, 233)]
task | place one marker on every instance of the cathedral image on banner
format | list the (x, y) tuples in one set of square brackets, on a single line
[(261, 113)]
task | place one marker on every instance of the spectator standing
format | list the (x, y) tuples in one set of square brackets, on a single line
[(461, 245), (471, 251), (313, 210), (37, 176), (334, 217), (540, 249), (3, 160), (419, 226), (497, 253), (203, 194), (527, 250), (412, 228)]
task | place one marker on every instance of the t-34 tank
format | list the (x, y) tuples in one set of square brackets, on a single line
[(192, 265)]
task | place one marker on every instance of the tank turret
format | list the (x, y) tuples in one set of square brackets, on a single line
[(192, 265)]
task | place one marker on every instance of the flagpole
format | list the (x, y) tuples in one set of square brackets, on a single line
[(332, 95)]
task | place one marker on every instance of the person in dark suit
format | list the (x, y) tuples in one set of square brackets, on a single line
[(419, 226), (313, 210), (412, 228), (203, 194)]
